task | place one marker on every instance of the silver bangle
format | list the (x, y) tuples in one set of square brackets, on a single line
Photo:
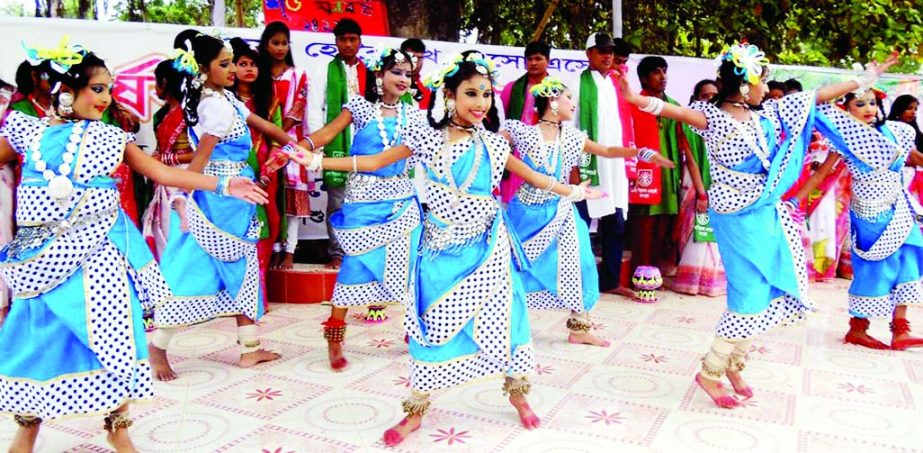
[(355, 166), (654, 106), (311, 142), (865, 81), (646, 154), (550, 184)]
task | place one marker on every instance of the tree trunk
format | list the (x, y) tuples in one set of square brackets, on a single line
[(425, 19), (219, 12), (83, 8), (240, 12)]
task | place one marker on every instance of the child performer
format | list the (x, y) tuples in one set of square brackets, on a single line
[(752, 163), (563, 272), (466, 316), (214, 269), (79, 269)]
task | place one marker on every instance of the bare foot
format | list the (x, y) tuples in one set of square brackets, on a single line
[(862, 338), (587, 338), (252, 358), (740, 386), (337, 361), (717, 392), (400, 431), (335, 263), (526, 416), (160, 364), (121, 442), (24, 440), (288, 262)]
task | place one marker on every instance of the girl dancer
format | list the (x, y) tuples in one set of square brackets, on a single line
[(752, 164), (214, 269), (379, 224), (563, 272), (254, 87), (173, 150), (466, 317), (79, 269), (887, 249), (291, 89)]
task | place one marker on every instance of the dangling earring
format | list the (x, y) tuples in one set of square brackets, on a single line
[(65, 105), (553, 105), (450, 107), (198, 81), (378, 87), (745, 91)]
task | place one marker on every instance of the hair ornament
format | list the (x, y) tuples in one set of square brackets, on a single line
[(61, 58), (549, 87), (184, 61), (749, 61), (376, 62), (483, 65)]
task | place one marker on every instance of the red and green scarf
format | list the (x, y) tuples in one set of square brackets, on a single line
[(337, 97)]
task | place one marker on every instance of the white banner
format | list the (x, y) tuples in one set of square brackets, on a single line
[(132, 50)]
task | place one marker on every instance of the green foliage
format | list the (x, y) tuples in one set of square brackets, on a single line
[(189, 12), (836, 33)]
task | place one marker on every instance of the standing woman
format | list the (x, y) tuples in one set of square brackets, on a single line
[(291, 90), (173, 150), (887, 249), (700, 271), (563, 271), (904, 109), (214, 268), (254, 87), (466, 311), (754, 157), (73, 344)]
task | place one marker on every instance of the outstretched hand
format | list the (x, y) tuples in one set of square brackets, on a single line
[(622, 79), (880, 68), (277, 160), (305, 158), (247, 190), (590, 193), (661, 161)]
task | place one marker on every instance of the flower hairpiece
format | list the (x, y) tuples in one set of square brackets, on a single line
[(376, 61), (483, 65), (749, 61), (184, 61), (549, 87), (61, 58)]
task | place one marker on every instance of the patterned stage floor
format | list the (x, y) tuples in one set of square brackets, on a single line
[(813, 394)]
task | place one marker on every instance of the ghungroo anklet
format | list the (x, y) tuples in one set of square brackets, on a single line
[(578, 325), (417, 404), (516, 386), (334, 330), (711, 373), (27, 421), (116, 421)]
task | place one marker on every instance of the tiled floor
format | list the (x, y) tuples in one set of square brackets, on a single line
[(814, 394)]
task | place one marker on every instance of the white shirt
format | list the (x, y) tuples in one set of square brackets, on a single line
[(317, 96), (612, 177)]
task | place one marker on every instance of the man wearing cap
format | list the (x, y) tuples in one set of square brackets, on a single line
[(518, 104), (605, 116)]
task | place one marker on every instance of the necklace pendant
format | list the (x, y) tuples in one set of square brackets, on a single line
[(60, 188)]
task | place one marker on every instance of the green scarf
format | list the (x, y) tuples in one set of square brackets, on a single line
[(518, 98), (670, 184), (337, 97), (588, 117), (24, 106), (699, 154)]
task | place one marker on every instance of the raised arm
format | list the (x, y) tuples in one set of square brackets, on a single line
[(542, 181), (866, 80), (327, 133), (317, 162), (203, 152), (686, 115), (620, 151), (276, 133), (138, 160)]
